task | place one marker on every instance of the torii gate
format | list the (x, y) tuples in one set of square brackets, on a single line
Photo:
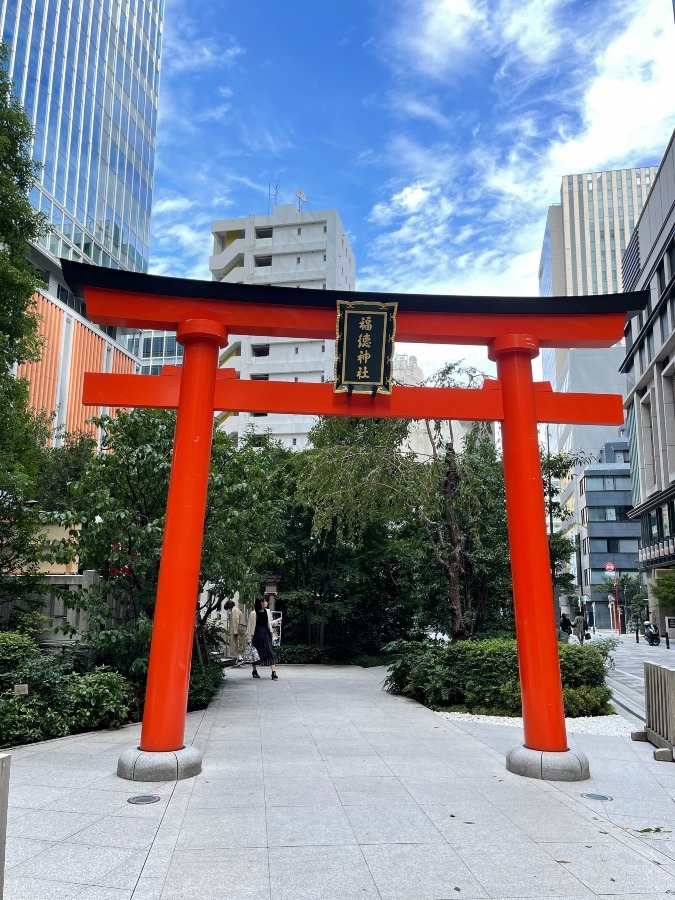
[(203, 314)]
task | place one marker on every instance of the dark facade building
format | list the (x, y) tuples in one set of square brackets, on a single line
[(649, 263), (607, 534)]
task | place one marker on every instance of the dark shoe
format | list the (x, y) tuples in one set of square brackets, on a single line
[(255, 674), (275, 677)]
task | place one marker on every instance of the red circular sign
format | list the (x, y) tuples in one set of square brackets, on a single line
[(609, 567)]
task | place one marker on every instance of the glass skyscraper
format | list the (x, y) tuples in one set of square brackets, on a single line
[(87, 74)]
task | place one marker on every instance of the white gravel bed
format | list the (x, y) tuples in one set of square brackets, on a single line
[(612, 725)]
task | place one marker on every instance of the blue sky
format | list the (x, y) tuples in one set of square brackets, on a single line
[(439, 129)]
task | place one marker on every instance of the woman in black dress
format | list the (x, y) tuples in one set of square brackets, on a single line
[(260, 634)]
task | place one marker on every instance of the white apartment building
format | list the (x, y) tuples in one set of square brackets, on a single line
[(289, 248)]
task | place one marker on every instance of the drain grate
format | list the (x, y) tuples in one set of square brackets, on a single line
[(144, 798), (596, 797)]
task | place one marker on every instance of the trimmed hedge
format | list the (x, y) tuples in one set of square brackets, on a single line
[(204, 686), (303, 653), (482, 676)]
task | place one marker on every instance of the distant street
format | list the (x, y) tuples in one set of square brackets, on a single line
[(627, 678)]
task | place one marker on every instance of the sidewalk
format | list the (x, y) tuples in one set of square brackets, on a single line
[(627, 679), (323, 787)]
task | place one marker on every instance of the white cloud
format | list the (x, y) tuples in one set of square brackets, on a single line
[(532, 28), (184, 54), (477, 222), (437, 36), (171, 205), (628, 105), (413, 107), (260, 138)]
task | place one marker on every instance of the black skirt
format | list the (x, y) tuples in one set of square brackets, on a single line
[(262, 641)]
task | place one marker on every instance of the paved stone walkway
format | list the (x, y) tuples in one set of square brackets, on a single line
[(627, 679), (323, 787)]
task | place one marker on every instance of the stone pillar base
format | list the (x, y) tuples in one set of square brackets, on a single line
[(172, 765), (570, 765)]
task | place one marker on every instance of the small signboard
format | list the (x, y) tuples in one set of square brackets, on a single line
[(21, 689), (670, 623), (364, 346), (609, 567)]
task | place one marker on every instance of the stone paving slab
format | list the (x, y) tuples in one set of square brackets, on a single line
[(321, 786)]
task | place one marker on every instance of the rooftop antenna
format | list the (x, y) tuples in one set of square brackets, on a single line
[(302, 198), (272, 193)]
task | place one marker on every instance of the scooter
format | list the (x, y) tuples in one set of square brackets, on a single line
[(652, 634)]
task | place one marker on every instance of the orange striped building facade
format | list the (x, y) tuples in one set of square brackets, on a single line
[(71, 347)]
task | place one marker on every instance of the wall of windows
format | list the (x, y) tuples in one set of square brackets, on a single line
[(87, 73)]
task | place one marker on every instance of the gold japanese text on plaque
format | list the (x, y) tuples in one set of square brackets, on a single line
[(364, 346)]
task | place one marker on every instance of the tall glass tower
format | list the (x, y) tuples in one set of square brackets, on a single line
[(87, 74)]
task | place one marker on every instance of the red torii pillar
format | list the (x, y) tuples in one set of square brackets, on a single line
[(202, 313)]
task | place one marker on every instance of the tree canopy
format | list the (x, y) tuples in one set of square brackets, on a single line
[(22, 433)]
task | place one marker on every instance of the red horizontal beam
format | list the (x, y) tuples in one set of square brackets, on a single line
[(234, 395), (111, 307)]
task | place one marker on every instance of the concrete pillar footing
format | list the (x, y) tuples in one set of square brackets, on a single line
[(171, 765), (569, 765)]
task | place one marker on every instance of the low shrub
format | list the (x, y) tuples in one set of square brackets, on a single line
[(47, 677), (24, 720), (204, 686), (302, 653), (581, 665), (99, 699), (482, 676), (587, 701), (15, 649)]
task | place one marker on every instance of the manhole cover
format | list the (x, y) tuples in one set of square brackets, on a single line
[(596, 797), (144, 798)]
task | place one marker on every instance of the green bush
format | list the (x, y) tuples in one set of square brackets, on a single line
[(47, 677), (482, 676), (302, 653), (24, 720), (99, 699), (15, 649), (581, 665), (204, 686), (587, 701)]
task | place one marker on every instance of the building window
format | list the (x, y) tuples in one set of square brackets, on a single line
[(661, 277), (295, 441), (259, 376), (264, 231), (323, 347), (260, 349), (297, 350), (296, 378), (325, 229), (262, 261), (299, 230), (258, 415), (297, 260), (671, 259)]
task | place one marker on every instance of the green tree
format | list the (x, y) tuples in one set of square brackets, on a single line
[(488, 592), (557, 469), (60, 467), (116, 526), (19, 225), (381, 480), (22, 434), (630, 592), (663, 589)]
